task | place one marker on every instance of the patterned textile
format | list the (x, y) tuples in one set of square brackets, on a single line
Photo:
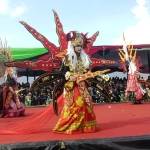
[(12, 107), (134, 86), (13, 111), (77, 114)]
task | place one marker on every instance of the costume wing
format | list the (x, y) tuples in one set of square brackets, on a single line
[(61, 35), (52, 48), (91, 41)]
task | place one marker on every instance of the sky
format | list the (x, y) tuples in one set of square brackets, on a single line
[(110, 17)]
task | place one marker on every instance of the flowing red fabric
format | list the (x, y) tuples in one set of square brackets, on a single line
[(36, 123)]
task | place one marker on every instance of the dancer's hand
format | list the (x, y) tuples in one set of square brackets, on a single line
[(73, 78)]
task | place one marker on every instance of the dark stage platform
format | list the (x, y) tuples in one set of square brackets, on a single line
[(121, 126)]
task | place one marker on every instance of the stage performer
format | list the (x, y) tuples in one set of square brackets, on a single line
[(134, 90), (77, 114), (12, 107)]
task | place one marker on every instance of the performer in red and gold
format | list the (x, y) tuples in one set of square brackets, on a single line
[(77, 114)]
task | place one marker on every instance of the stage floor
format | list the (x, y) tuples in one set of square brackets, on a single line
[(114, 120)]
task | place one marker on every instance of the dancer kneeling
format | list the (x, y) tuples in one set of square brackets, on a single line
[(12, 107)]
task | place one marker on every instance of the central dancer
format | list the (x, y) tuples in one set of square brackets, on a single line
[(77, 114)]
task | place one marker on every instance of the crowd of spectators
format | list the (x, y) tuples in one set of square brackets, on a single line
[(102, 91), (42, 96), (112, 90)]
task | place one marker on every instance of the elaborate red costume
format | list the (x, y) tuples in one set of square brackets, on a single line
[(77, 114), (133, 89)]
